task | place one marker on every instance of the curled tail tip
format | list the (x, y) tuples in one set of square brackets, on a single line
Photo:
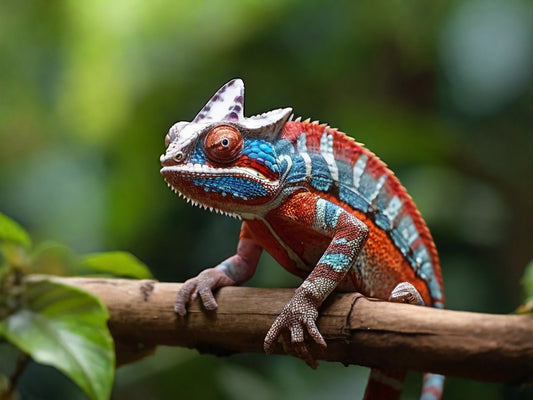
[(432, 387)]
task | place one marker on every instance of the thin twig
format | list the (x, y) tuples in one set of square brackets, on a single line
[(22, 362)]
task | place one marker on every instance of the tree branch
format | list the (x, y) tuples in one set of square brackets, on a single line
[(493, 348)]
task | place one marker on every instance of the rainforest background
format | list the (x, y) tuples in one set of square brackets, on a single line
[(442, 91)]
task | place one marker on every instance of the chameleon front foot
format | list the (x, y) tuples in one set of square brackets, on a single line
[(203, 286), (298, 316)]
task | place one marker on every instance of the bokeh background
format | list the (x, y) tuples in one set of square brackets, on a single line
[(442, 91)]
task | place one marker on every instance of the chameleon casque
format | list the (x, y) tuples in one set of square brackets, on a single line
[(325, 207)]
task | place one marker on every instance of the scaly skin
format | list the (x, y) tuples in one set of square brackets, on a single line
[(325, 207)]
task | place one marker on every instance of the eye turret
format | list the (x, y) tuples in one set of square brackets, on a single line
[(223, 144)]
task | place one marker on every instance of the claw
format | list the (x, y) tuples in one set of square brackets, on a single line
[(297, 349), (297, 317), (180, 310), (207, 298), (302, 352), (184, 296), (202, 285), (271, 337), (315, 333)]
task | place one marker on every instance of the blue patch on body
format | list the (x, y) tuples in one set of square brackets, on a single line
[(321, 179), (339, 262), (331, 216), (284, 146), (198, 156), (383, 199), (400, 242), (341, 241), (353, 198), (345, 173), (261, 151), (382, 221), (367, 185), (297, 173), (380, 204), (234, 186)]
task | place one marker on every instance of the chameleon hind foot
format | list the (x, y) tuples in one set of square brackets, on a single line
[(404, 292)]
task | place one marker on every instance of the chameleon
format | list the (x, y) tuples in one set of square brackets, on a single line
[(321, 204)]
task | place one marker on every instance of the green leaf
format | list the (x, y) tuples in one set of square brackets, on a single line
[(66, 328), (526, 308), (527, 281), (53, 258), (118, 263), (10, 231)]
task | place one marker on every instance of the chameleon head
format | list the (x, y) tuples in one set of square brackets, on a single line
[(223, 160)]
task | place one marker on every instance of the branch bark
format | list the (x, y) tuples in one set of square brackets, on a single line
[(359, 330)]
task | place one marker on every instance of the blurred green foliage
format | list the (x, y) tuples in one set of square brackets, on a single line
[(64, 327), (527, 283), (50, 322), (442, 91)]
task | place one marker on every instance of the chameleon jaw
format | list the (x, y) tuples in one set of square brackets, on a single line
[(199, 204), (185, 173), (192, 170)]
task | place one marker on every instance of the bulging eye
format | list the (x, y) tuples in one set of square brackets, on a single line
[(223, 144)]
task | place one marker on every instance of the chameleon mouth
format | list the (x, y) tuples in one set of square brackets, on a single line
[(192, 170), (189, 171)]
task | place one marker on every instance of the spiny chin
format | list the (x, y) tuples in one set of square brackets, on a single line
[(200, 204)]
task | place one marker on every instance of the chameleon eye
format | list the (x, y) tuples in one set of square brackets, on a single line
[(223, 144)]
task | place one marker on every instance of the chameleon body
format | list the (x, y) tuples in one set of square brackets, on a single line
[(325, 207)]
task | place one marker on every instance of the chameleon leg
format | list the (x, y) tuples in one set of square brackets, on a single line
[(348, 235), (404, 292), (387, 384), (233, 271), (433, 385)]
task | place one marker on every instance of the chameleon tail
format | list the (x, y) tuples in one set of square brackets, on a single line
[(432, 387), (384, 384)]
